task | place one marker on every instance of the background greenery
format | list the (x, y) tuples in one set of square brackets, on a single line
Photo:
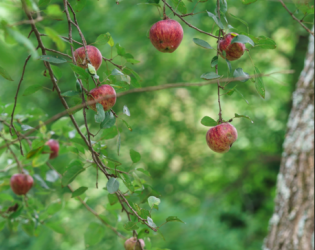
[(225, 200)]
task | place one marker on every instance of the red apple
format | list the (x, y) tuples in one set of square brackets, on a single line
[(221, 137), (166, 35), (54, 148), (233, 51), (133, 244), (21, 183), (101, 92), (94, 54)]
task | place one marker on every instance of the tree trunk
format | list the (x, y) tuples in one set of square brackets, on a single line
[(292, 224)]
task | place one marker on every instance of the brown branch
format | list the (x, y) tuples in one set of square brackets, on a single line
[(20, 167), (15, 102), (68, 111), (296, 19), (58, 52), (190, 25)]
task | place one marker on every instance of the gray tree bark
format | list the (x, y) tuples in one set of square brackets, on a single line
[(292, 224)]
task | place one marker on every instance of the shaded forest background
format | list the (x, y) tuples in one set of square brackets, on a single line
[(225, 200)]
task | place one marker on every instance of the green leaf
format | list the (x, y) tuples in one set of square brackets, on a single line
[(43, 2), (40, 160), (243, 39), (79, 191), (130, 226), (174, 218), (208, 121), (150, 222), (259, 84), (52, 59), (223, 6), (240, 73), (79, 71), (54, 11), (5, 74), (202, 43), (72, 172), (100, 116), (111, 41), (57, 71), (93, 234), (216, 20), (70, 93), (214, 61), (116, 72), (263, 42), (242, 21), (135, 156), (152, 200), (112, 185), (109, 120), (236, 90), (243, 116), (209, 76), (109, 133), (17, 212), (229, 65), (56, 226), (80, 5), (248, 1), (19, 38), (180, 6), (32, 89), (103, 39), (120, 50), (143, 171), (112, 198), (134, 73), (56, 38)]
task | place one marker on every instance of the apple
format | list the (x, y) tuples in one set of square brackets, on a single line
[(94, 54), (54, 148), (133, 244), (221, 137), (233, 51), (166, 35), (101, 92), (21, 183)]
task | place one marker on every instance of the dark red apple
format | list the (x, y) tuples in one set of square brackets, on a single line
[(166, 35), (101, 92), (54, 148), (133, 244), (221, 137), (21, 183), (94, 54), (233, 51)]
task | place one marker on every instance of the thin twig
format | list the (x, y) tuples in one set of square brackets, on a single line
[(15, 102), (69, 111), (20, 167), (296, 19), (190, 25)]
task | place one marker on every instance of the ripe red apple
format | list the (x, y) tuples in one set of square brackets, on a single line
[(101, 92), (94, 54), (21, 183), (54, 148), (133, 244), (233, 51), (221, 137), (166, 35)]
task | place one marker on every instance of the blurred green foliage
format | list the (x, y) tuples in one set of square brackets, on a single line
[(224, 200)]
